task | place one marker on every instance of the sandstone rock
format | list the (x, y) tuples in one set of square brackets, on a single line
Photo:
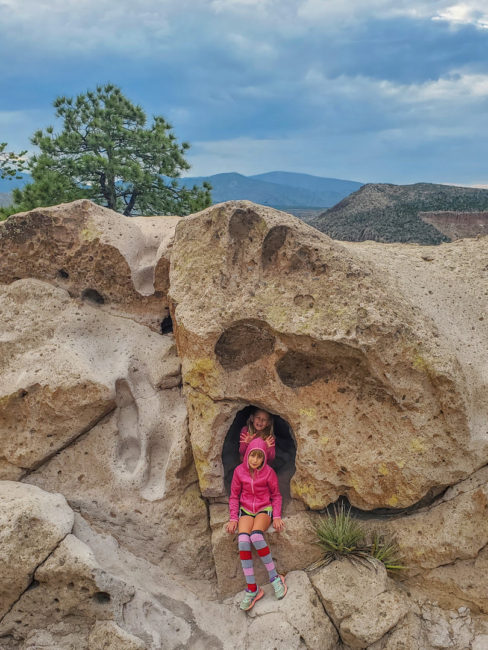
[(71, 591), (94, 253), (32, 524), (107, 635), (455, 527), (459, 584), (406, 635), (480, 642), (447, 629), (132, 477), (273, 631), (373, 620), (345, 587), (292, 549), (72, 357), (168, 609), (360, 599), (298, 616), (319, 332)]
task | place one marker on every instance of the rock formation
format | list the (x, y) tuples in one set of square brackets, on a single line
[(457, 225), (131, 351)]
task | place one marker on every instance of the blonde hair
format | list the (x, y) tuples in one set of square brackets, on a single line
[(269, 431)]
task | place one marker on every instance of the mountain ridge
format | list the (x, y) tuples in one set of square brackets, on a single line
[(385, 212)]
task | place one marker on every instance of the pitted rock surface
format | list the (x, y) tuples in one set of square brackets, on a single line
[(334, 339)]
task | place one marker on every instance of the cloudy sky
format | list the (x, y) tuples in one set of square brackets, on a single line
[(368, 90)]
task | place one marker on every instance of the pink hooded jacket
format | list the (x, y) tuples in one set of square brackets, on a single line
[(257, 492)]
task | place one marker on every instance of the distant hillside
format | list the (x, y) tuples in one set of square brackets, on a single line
[(390, 213), (277, 189), (301, 193)]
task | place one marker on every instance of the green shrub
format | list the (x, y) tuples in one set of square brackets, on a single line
[(340, 535)]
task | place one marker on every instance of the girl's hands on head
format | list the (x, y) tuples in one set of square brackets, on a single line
[(278, 524), (248, 437), (270, 441), (231, 527)]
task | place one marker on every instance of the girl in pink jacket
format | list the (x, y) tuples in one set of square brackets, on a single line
[(254, 502)]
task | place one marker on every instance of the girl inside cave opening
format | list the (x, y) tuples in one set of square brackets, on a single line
[(254, 502), (260, 424)]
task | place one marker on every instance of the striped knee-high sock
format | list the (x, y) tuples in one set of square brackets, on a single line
[(257, 538), (245, 555)]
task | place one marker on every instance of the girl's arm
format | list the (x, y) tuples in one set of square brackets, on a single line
[(276, 499), (235, 493), (271, 450), (244, 440)]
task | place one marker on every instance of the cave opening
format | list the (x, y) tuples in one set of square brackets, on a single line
[(93, 296), (284, 462), (166, 325)]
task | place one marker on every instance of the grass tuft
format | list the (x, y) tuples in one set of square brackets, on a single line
[(340, 535)]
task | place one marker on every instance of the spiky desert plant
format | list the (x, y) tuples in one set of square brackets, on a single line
[(387, 551), (338, 535)]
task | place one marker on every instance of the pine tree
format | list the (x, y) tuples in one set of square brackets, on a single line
[(107, 152)]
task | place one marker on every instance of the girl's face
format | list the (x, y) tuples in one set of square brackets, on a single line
[(256, 459), (261, 420)]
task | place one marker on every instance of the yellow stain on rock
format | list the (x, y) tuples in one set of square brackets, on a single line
[(393, 501), (324, 440), (307, 493), (400, 464), (383, 469), (310, 412), (89, 234), (417, 445), (202, 374)]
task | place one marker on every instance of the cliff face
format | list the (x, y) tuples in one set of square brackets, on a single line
[(458, 225), (372, 358)]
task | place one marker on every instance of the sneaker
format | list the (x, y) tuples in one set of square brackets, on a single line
[(250, 597), (279, 587)]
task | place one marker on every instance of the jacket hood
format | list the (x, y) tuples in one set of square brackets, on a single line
[(257, 443)]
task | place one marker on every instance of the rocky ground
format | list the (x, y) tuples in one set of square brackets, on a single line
[(130, 352)]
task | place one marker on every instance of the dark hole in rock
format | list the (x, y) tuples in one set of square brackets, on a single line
[(102, 597), (92, 295), (243, 343), (166, 325), (242, 222), (297, 369), (283, 464), (33, 585), (273, 241), (430, 498), (63, 274)]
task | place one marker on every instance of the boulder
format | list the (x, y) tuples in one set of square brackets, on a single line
[(299, 616), (94, 253), (132, 477), (454, 527), (329, 337), (72, 359), (360, 599), (32, 525), (70, 592)]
